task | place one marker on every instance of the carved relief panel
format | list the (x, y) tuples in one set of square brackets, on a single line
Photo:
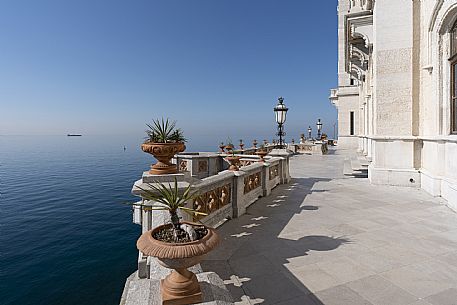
[(213, 200), (252, 182)]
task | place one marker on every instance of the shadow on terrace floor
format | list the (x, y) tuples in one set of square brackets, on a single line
[(258, 249)]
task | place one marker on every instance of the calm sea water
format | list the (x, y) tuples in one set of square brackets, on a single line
[(66, 237)]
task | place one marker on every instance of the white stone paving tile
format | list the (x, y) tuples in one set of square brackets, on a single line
[(336, 240)]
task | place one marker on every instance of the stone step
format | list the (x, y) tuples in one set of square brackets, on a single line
[(347, 169), (364, 161), (355, 164)]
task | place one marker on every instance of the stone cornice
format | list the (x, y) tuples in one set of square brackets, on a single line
[(448, 139)]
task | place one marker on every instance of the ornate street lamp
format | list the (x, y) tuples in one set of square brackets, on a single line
[(319, 128), (280, 114), (309, 132)]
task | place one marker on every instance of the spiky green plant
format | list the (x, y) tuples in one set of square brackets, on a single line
[(167, 197), (178, 136), (164, 131)]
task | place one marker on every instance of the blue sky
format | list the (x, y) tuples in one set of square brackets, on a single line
[(217, 67)]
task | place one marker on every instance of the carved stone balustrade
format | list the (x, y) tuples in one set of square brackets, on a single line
[(200, 164), (314, 148), (204, 164), (222, 195), (215, 199)]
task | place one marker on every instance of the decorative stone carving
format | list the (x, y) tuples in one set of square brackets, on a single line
[(252, 182), (213, 200), (202, 166), (305, 147), (183, 165), (274, 172), (356, 6)]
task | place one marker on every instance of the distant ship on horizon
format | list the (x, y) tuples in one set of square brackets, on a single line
[(74, 135)]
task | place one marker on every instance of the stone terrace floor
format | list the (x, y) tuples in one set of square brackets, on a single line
[(335, 240)]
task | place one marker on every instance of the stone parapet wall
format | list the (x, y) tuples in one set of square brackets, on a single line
[(204, 164), (222, 195), (317, 148)]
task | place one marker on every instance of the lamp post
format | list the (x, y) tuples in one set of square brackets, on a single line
[(280, 114), (319, 128), (309, 132)]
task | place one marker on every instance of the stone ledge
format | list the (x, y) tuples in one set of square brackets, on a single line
[(147, 291)]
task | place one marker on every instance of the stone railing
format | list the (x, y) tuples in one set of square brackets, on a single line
[(204, 164), (222, 196), (200, 165), (215, 198), (249, 185), (313, 148)]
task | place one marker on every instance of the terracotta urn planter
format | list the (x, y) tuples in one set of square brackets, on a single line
[(181, 285), (221, 147), (229, 147), (234, 161), (262, 154), (241, 144), (163, 152)]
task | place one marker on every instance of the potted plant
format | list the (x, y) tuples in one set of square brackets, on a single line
[(254, 143), (241, 144), (231, 158), (229, 146), (262, 152), (177, 245), (221, 147), (163, 141)]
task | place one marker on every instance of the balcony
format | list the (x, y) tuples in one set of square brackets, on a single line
[(334, 97), (359, 6)]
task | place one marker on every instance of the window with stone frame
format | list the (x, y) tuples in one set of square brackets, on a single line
[(453, 61)]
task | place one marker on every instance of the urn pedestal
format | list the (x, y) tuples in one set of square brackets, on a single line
[(181, 286), (262, 154), (234, 162)]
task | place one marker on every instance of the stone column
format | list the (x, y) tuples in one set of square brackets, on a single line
[(394, 144)]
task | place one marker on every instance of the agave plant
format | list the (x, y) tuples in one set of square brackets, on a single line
[(169, 198), (164, 131)]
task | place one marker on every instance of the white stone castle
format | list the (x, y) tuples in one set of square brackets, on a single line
[(397, 90)]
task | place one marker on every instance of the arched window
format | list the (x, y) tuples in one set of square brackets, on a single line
[(453, 61), (454, 40)]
